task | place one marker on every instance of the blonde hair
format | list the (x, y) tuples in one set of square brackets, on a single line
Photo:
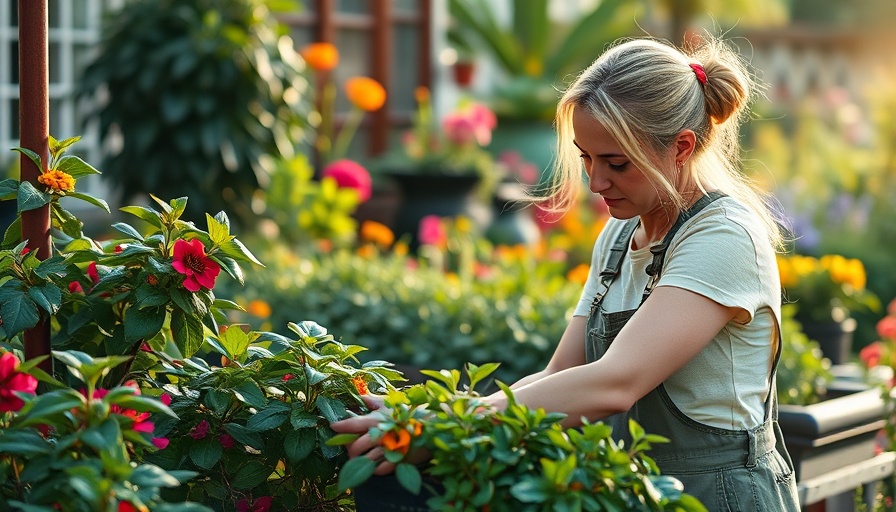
[(645, 92)]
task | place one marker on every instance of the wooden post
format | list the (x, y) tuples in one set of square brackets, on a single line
[(34, 115)]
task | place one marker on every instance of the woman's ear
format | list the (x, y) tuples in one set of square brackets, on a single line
[(685, 143)]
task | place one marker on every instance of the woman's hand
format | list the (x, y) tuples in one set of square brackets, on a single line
[(364, 445)]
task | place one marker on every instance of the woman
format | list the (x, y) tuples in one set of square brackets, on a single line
[(677, 327)]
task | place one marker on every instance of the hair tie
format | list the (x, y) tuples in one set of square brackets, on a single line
[(700, 72)]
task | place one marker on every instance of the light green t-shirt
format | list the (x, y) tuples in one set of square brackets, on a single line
[(721, 253)]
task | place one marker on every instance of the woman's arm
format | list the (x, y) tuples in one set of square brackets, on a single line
[(668, 330)]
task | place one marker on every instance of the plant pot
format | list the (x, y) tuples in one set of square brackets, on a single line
[(385, 493), (834, 338), (443, 195), (832, 434)]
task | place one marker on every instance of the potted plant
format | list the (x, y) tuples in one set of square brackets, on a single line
[(518, 459), (825, 291), (826, 424), (441, 167)]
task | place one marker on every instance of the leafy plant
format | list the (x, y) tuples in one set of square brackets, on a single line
[(534, 52), (518, 459), (113, 297), (803, 372), (78, 451), (197, 94), (255, 429)]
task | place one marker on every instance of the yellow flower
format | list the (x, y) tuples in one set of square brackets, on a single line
[(321, 56), (365, 93), (463, 224), (380, 234), (57, 180), (259, 308)]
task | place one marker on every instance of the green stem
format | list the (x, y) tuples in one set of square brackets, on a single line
[(325, 134), (346, 133)]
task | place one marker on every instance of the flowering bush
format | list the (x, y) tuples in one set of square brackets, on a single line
[(134, 319), (825, 289), (454, 145), (518, 459), (79, 450)]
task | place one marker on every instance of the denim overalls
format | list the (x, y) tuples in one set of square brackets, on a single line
[(727, 470)]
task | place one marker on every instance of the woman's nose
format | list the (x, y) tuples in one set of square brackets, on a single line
[(596, 182)]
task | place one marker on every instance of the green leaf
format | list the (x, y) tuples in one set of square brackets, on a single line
[(308, 329), (33, 156), (236, 342), (217, 231), (44, 407), (148, 214), (29, 198), (23, 442), (355, 472), (251, 475), (150, 475), (244, 436), (13, 233), (206, 452), (47, 296), (271, 417), (9, 188), (96, 201), (236, 250), (178, 206), (105, 435), (17, 309), (298, 444), (249, 393), (331, 408), (128, 230), (142, 324), (142, 403), (529, 490), (301, 418), (57, 147), (342, 439), (188, 332), (55, 265), (409, 477), (75, 167)]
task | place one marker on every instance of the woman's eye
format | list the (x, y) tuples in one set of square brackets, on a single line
[(583, 156), (618, 167)]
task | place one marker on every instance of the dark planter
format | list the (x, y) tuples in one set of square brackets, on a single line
[(834, 338), (833, 433), (514, 221), (443, 195), (385, 493)]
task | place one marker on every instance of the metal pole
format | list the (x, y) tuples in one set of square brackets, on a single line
[(34, 115)]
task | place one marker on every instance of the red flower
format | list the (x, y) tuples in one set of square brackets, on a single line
[(191, 261), (92, 273), (262, 504), (200, 430), (126, 506), (288, 377), (140, 419), (226, 441), (350, 174), (871, 354), (75, 287), (12, 381)]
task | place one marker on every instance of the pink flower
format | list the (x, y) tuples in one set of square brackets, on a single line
[(13, 381), (431, 231), (886, 328), (165, 399), (350, 174), (288, 377), (160, 442), (191, 261), (459, 129), (200, 430), (140, 420), (891, 307), (226, 441)]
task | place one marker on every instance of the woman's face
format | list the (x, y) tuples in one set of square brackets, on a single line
[(611, 173)]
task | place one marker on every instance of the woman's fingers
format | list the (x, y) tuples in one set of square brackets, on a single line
[(357, 424), (374, 402)]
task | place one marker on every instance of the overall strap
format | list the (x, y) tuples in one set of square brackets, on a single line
[(659, 250), (614, 261)]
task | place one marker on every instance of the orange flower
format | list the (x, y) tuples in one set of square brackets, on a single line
[(397, 441), (321, 56), (259, 308), (365, 93), (57, 180), (417, 426), (360, 385), (421, 94), (380, 234), (579, 274)]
